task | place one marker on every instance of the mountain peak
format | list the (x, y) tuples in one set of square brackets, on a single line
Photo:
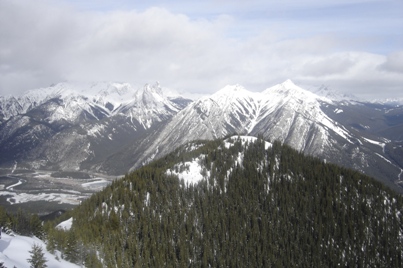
[(288, 84), (151, 95), (334, 95), (230, 92), (231, 89), (288, 89), (153, 88)]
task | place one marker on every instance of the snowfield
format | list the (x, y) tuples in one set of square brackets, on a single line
[(14, 252)]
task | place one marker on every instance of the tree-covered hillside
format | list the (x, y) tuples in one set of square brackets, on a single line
[(258, 205)]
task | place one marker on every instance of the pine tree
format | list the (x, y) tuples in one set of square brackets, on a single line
[(71, 251), (37, 259), (36, 226), (276, 207)]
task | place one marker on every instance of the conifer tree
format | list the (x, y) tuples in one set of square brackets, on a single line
[(71, 251), (36, 226), (275, 207), (37, 258)]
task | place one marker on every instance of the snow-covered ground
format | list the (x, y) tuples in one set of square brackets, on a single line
[(192, 172), (375, 142), (55, 189), (96, 185), (65, 225), (11, 187), (14, 252), (244, 140), (61, 198)]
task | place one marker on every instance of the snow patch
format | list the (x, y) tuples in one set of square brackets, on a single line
[(98, 184), (375, 142), (95, 130), (147, 200), (14, 167), (244, 140), (11, 187), (191, 172), (384, 158), (65, 225), (14, 252), (61, 198)]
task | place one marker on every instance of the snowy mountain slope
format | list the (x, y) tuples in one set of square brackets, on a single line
[(389, 101), (68, 101), (282, 112), (14, 252), (65, 125), (308, 122), (233, 109), (148, 106), (112, 127), (294, 116), (334, 95)]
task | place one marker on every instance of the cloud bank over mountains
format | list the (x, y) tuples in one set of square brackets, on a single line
[(202, 47)]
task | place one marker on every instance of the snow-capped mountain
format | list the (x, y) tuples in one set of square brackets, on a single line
[(313, 124), (65, 125), (390, 101), (71, 102), (284, 112), (112, 127), (334, 95)]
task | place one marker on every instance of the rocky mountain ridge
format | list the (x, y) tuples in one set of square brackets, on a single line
[(63, 126), (310, 123), (112, 128)]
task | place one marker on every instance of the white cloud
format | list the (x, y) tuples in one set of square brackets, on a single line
[(330, 65), (358, 73), (394, 63), (44, 42)]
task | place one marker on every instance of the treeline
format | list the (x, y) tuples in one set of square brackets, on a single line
[(22, 223), (259, 207)]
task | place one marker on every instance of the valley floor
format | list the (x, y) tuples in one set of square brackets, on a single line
[(51, 189)]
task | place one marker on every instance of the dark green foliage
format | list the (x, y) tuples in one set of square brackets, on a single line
[(276, 208), (22, 223), (37, 258)]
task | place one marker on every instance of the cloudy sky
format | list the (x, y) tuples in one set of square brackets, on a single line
[(353, 46)]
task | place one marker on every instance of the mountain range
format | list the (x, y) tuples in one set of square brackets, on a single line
[(113, 128)]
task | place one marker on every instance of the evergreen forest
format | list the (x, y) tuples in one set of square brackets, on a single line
[(257, 206)]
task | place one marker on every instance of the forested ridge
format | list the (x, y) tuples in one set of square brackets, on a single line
[(256, 207)]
